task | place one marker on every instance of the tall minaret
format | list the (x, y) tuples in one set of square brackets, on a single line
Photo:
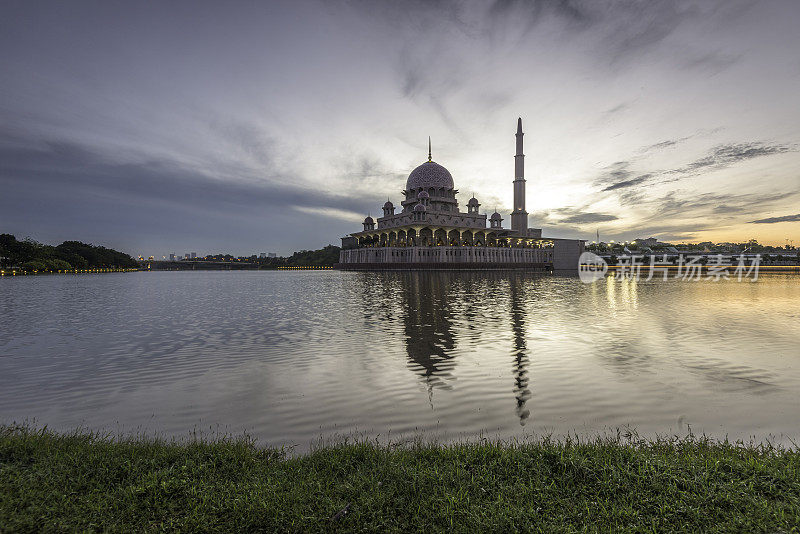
[(519, 217)]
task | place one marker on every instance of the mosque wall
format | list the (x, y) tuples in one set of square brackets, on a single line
[(460, 255), (566, 254)]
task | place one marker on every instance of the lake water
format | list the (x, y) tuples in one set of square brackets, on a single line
[(292, 357)]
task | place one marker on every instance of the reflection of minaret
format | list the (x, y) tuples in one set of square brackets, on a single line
[(519, 217), (428, 328), (521, 391)]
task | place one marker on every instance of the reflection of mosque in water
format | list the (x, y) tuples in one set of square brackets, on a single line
[(431, 329), (521, 391), (427, 325)]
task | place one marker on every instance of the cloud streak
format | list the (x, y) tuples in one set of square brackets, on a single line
[(628, 183), (720, 157), (773, 220)]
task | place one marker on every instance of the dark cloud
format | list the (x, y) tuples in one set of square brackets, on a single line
[(614, 173), (245, 139), (640, 25), (430, 80), (631, 197), (58, 162), (727, 209), (628, 183), (726, 155), (703, 205), (421, 15), (680, 215), (533, 11), (772, 220), (162, 202), (623, 27), (665, 144), (712, 62), (619, 108), (588, 217), (620, 176)]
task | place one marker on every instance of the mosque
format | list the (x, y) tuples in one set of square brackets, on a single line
[(431, 232)]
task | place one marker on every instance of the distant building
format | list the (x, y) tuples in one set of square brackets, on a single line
[(272, 255), (649, 242), (194, 255), (172, 257), (262, 255)]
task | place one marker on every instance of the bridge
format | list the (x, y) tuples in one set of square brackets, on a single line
[(197, 265)]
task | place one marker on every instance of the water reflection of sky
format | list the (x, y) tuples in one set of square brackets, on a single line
[(291, 357)]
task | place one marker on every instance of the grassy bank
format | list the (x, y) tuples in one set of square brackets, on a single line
[(84, 481)]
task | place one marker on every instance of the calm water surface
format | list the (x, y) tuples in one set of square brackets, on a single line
[(292, 357)]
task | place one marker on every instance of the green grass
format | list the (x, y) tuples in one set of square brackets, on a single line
[(87, 482)]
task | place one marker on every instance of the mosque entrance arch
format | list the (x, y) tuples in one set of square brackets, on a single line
[(440, 237), (454, 238), (426, 237), (412, 239)]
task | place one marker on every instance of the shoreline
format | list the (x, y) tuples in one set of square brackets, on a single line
[(89, 481)]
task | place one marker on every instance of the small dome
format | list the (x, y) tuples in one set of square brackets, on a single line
[(472, 202), (423, 194), (429, 174), (495, 217), (388, 205), (419, 208), (368, 220)]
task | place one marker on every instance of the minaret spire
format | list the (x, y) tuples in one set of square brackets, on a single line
[(519, 217), (429, 148)]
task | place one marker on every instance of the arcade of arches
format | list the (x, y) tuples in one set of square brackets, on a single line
[(428, 236)]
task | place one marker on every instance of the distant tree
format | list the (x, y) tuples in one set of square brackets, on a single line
[(34, 265), (56, 264), (324, 257), (31, 255)]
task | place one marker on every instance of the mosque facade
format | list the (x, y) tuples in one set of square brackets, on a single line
[(428, 230)]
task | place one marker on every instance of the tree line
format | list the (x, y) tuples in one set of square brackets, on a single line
[(324, 257), (31, 255)]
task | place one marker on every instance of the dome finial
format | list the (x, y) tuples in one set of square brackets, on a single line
[(429, 148)]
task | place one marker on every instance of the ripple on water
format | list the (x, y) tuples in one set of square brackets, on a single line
[(293, 356)]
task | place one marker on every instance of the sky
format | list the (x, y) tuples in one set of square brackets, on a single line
[(246, 127)]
